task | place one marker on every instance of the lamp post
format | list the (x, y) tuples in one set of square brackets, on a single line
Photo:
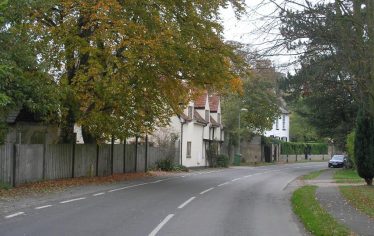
[(243, 109)]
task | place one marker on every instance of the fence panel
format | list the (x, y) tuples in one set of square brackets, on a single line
[(141, 158), (58, 161), (130, 158), (29, 158), (118, 158), (85, 160), (104, 159), (6, 163)]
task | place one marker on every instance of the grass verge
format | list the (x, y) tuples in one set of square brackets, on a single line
[(347, 176), (312, 175), (361, 197), (313, 216)]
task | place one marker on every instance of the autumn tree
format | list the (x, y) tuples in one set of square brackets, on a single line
[(125, 66)]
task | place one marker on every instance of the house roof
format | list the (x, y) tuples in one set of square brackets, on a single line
[(184, 117), (199, 119), (213, 103), (284, 110), (214, 122), (200, 101)]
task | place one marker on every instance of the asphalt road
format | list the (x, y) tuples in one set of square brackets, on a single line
[(235, 201)]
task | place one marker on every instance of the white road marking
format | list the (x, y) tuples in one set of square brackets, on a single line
[(98, 194), (235, 179), (42, 207), (247, 176), (183, 176), (73, 200), (159, 227), (186, 202), (14, 215), (157, 181), (131, 186), (223, 184), (205, 191)]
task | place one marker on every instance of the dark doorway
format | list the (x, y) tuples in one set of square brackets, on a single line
[(267, 152)]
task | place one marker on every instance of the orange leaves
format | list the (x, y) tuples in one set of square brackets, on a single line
[(236, 85)]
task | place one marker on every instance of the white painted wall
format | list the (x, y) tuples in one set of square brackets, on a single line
[(281, 132)]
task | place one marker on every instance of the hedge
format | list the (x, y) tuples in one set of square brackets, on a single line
[(290, 148)]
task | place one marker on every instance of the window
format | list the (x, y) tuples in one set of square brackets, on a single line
[(190, 109), (188, 149), (219, 118), (284, 122), (207, 115)]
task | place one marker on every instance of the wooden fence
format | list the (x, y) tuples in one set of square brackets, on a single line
[(22, 163)]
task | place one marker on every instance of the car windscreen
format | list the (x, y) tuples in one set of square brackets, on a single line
[(337, 158)]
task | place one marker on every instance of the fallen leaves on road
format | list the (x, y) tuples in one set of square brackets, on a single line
[(48, 186)]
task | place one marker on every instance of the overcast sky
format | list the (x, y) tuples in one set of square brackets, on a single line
[(253, 29)]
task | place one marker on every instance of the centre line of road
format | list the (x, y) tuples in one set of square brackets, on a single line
[(42, 207), (131, 186), (14, 215), (98, 194), (73, 200), (223, 184), (205, 191), (235, 179), (186, 202), (157, 181), (159, 227)]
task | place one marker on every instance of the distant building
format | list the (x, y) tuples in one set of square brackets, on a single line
[(281, 126)]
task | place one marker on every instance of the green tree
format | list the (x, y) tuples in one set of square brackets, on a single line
[(125, 66), (364, 146), (259, 99), (23, 82)]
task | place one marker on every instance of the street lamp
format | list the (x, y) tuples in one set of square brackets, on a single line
[(243, 109)]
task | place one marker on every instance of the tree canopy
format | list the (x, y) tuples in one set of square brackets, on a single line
[(123, 67)]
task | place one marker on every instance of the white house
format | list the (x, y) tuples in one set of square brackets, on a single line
[(199, 129), (281, 126)]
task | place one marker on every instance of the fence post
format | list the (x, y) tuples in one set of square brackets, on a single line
[(14, 165), (124, 156), (146, 154), (16, 148), (136, 154), (97, 159), (112, 156), (73, 156), (44, 153)]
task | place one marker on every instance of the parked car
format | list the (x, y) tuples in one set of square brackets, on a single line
[(337, 161)]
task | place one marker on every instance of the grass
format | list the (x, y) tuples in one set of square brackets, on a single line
[(5, 186), (313, 216), (361, 197), (312, 175), (347, 176)]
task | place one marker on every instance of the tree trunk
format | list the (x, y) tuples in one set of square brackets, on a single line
[(369, 181), (67, 128), (87, 136)]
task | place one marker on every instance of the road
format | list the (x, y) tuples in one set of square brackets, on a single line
[(234, 201)]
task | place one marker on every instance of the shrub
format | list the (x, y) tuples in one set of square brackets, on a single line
[(350, 148), (180, 168), (290, 148), (222, 161), (364, 146), (165, 165), (5, 186)]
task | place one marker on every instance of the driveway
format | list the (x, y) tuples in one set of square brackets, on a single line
[(234, 201)]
